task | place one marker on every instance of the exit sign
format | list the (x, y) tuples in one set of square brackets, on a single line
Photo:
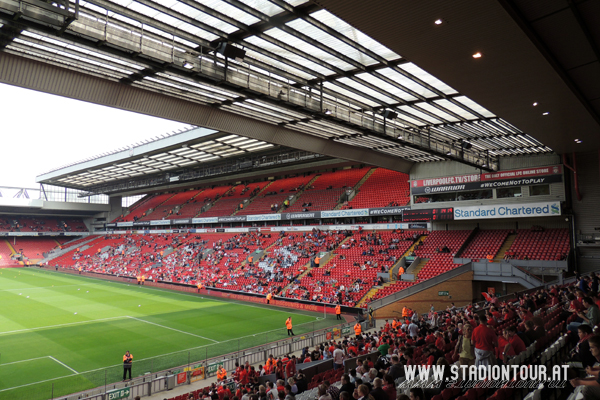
[(119, 394), (444, 293)]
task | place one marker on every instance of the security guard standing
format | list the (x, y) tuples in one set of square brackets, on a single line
[(127, 361), (269, 297), (288, 325), (338, 311), (358, 330)]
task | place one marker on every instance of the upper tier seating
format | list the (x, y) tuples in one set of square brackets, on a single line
[(194, 206), (540, 244), (432, 248), (485, 243), (166, 209), (140, 208), (324, 193), (384, 188), (231, 201), (276, 193)]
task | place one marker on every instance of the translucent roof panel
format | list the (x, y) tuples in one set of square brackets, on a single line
[(354, 34), (265, 6), (392, 89), (320, 69), (230, 11), (331, 42), (427, 78), (474, 106), (348, 93), (433, 110), (408, 83), (455, 109), (307, 48), (363, 89)]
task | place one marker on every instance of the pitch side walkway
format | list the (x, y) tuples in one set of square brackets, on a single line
[(179, 390)]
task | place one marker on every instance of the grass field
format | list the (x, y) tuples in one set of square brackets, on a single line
[(70, 332)]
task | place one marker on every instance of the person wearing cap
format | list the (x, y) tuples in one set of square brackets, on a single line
[(288, 325), (127, 362)]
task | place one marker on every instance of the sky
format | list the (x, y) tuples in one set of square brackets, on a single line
[(40, 132)]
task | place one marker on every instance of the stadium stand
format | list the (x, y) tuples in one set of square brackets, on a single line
[(485, 243), (140, 209), (325, 192), (538, 243), (20, 223), (194, 206), (235, 199), (384, 188), (35, 247), (440, 247), (5, 253), (276, 194), (165, 210)]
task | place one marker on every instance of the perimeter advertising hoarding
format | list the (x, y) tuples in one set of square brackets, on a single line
[(263, 217), (208, 220), (211, 369), (301, 215), (235, 218), (543, 209), (160, 222), (362, 212), (387, 211), (275, 302)]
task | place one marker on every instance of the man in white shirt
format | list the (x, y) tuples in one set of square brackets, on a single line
[(338, 358), (413, 330)]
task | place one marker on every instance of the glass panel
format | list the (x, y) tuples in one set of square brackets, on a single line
[(407, 83), (474, 106), (508, 192), (539, 190), (331, 42), (427, 78), (264, 6), (354, 34), (395, 90), (307, 48)]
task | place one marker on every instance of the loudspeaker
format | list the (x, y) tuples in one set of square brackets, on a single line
[(387, 114), (230, 51)]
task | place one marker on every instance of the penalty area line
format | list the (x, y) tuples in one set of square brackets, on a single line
[(63, 364)]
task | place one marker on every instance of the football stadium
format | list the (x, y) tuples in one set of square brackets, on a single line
[(370, 200)]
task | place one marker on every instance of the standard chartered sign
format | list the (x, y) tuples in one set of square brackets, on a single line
[(545, 209)]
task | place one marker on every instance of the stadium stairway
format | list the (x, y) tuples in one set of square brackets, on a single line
[(82, 245), (372, 292), (358, 185), (10, 246), (418, 267), (254, 197), (505, 246), (299, 193)]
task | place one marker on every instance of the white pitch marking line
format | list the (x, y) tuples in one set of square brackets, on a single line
[(59, 325), (63, 364), (17, 362), (173, 329), (45, 287)]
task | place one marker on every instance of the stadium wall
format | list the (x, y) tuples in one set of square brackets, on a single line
[(460, 292), (586, 213)]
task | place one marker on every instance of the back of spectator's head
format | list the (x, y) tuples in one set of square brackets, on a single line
[(417, 393), (363, 390), (377, 382)]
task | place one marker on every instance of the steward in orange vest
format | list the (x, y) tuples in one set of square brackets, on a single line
[(358, 330), (288, 325), (199, 287), (221, 374), (269, 297), (139, 279), (338, 311)]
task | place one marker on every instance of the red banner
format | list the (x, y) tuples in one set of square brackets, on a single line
[(491, 176), (181, 378)]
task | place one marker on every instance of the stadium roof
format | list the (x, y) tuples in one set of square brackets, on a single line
[(314, 80)]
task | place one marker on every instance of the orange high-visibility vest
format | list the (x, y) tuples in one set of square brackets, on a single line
[(139, 278), (404, 312), (357, 329), (221, 374), (250, 259), (317, 260), (199, 286), (143, 278), (269, 296), (338, 309), (288, 323)]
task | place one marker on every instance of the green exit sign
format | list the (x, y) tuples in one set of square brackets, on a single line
[(444, 293), (118, 394)]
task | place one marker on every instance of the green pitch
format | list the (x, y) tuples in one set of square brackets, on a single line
[(66, 333)]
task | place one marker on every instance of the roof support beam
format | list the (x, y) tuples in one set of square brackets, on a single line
[(76, 85)]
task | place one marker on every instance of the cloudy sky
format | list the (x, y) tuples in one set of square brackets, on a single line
[(41, 132)]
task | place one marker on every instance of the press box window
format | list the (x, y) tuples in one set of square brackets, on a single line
[(508, 192), (539, 190)]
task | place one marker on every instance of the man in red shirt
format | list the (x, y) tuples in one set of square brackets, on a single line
[(440, 343), (290, 367), (243, 377), (515, 345), (485, 340)]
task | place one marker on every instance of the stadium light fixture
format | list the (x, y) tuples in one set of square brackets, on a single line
[(545, 113), (188, 65), (439, 21), (477, 55), (328, 111), (535, 104)]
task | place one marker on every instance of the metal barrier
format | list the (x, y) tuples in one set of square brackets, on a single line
[(158, 369)]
